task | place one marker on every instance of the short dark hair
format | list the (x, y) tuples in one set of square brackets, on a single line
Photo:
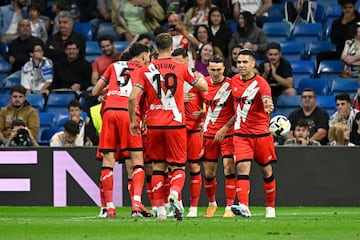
[(180, 52), (74, 103), (302, 123), (125, 56), (33, 6), (138, 48), (309, 90), (71, 41), (343, 96), (343, 2), (246, 51), (105, 38), (163, 41), (273, 45), (31, 46), (144, 36), (17, 122), (71, 127), (217, 59), (18, 88)]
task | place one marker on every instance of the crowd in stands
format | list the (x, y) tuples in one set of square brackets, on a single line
[(47, 50)]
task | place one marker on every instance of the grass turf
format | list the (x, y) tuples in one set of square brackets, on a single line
[(30, 223)]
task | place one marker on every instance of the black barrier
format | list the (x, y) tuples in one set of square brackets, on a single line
[(306, 176)]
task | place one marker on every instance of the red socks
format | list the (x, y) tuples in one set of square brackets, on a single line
[(210, 188), (270, 191), (243, 189), (230, 189), (195, 188), (107, 181)]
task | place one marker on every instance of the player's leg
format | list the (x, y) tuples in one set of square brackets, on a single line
[(107, 181)]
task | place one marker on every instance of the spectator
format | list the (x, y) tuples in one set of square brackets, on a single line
[(355, 133), (10, 16), (18, 48), (56, 42), (232, 58), (202, 62), (110, 54), (317, 118), (340, 30), (73, 72), (351, 54), (345, 114), (220, 32), (85, 9), (302, 135), (104, 8), (277, 71), (142, 16), (301, 11), (69, 137), (198, 14), (19, 108), (20, 135), (258, 9), (37, 73), (59, 5), (249, 36), (38, 28), (341, 133)]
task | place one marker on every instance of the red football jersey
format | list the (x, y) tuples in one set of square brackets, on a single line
[(219, 107), (120, 77), (162, 82), (250, 116), (194, 106)]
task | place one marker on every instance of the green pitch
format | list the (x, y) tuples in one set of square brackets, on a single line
[(50, 223)]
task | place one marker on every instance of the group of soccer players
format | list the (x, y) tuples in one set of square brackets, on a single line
[(165, 99)]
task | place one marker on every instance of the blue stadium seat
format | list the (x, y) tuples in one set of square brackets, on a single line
[(62, 117), (320, 13), (292, 49), (333, 11), (57, 102), (4, 99), (105, 28), (340, 85), (10, 82), (276, 13), (36, 100), (319, 85), (4, 70), (330, 69), (85, 29), (92, 51), (327, 28), (302, 69), (277, 31), (319, 46), (286, 104), (121, 45), (326, 102), (4, 49), (233, 26), (47, 119), (308, 32)]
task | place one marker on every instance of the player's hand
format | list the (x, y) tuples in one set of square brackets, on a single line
[(135, 129), (268, 105), (198, 114), (219, 136), (188, 97)]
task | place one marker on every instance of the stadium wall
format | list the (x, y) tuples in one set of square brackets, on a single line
[(315, 176)]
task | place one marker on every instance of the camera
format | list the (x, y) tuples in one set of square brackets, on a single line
[(21, 137), (172, 28)]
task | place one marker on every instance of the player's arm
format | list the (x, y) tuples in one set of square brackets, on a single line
[(219, 136), (134, 125), (268, 104), (99, 88), (201, 84)]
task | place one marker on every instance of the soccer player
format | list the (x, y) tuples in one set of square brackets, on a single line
[(252, 139), (194, 121), (117, 83), (218, 135), (162, 84)]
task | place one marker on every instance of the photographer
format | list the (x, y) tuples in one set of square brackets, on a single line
[(20, 135)]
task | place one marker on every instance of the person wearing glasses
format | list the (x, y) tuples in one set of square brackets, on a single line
[(37, 73), (316, 117), (19, 108), (277, 72)]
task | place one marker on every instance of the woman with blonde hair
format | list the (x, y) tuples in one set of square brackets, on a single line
[(341, 133)]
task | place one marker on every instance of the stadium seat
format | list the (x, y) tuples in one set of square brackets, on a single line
[(85, 29), (233, 26), (62, 117), (4, 99), (326, 102), (308, 32), (319, 85), (320, 13), (319, 46), (36, 100), (340, 85), (286, 104), (327, 28), (92, 51), (330, 69), (333, 11), (4, 49), (121, 45), (105, 28), (277, 31), (47, 119), (10, 82), (302, 69), (57, 102), (4, 70), (292, 49), (276, 13)]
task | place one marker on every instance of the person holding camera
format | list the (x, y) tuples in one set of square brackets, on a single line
[(20, 135), (19, 108)]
